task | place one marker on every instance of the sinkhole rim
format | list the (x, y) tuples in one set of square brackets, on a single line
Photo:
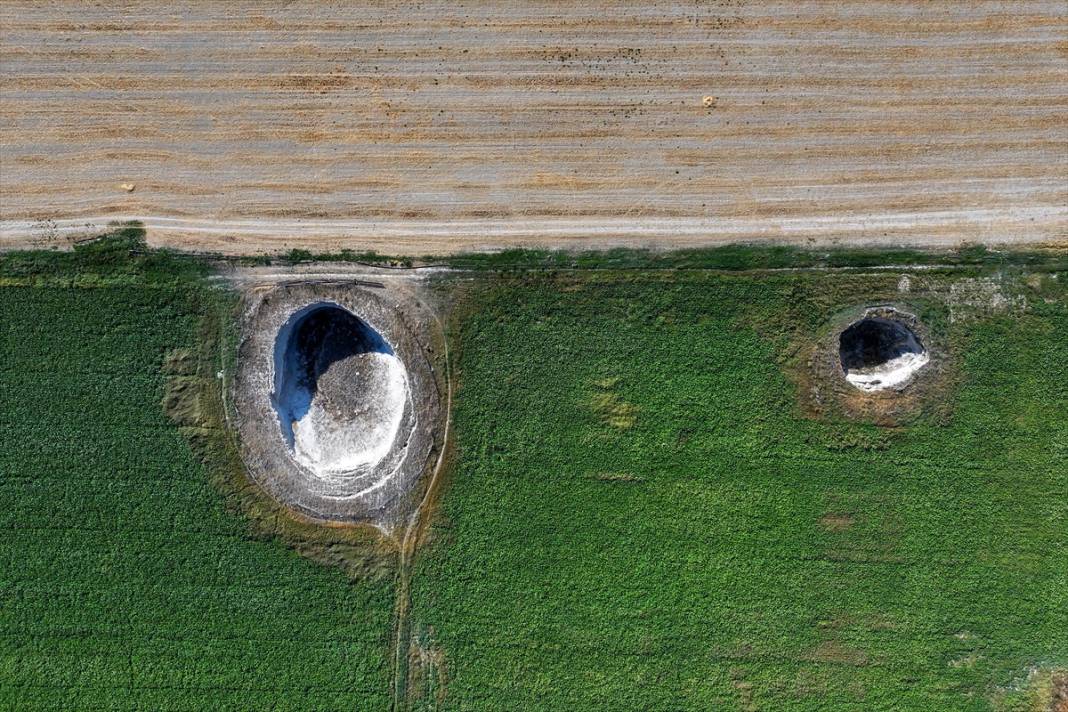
[(379, 494), (882, 350), (313, 433)]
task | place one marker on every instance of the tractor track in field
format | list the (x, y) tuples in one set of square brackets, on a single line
[(416, 526)]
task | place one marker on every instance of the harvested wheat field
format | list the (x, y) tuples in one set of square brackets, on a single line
[(435, 128)]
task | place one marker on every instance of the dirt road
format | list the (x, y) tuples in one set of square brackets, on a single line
[(438, 127)]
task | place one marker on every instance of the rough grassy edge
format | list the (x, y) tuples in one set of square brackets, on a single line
[(1044, 689), (732, 257), (195, 402), (116, 257), (124, 246), (749, 256)]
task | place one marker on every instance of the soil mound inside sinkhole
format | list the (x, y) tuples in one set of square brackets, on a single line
[(340, 390), (878, 353)]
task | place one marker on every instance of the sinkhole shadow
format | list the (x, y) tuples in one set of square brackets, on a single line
[(308, 344), (873, 341)]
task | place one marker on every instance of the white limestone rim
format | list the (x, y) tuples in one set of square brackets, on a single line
[(898, 373), (306, 441), (895, 373), (364, 494)]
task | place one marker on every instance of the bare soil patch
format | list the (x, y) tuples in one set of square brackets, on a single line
[(837, 521)]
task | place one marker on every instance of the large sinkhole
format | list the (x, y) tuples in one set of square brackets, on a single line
[(339, 390), (879, 353)]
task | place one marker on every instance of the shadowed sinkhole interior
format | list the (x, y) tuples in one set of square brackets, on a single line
[(878, 353), (339, 389)]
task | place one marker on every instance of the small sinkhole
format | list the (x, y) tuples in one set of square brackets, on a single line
[(878, 353)]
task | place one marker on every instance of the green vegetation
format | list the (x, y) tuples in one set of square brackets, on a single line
[(727, 257), (641, 517), (642, 512), (119, 257), (126, 580), (115, 251), (749, 257), (296, 256)]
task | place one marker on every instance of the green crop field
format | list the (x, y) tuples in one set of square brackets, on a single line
[(642, 511), (124, 582), (641, 517)]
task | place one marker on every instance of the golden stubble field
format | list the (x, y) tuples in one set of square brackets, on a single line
[(439, 127)]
